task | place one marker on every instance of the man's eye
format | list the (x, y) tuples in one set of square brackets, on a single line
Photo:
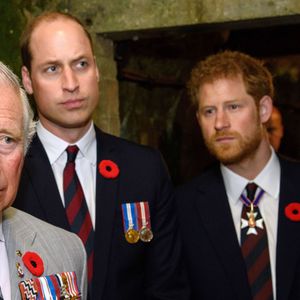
[(234, 106), (6, 140), (82, 64), (7, 144), (208, 112), (51, 69)]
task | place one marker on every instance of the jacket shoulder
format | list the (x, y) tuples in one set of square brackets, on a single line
[(128, 149), (23, 223), (207, 177)]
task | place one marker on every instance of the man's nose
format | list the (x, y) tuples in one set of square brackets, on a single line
[(69, 80), (222, 120)]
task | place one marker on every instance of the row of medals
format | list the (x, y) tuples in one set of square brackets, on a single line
[(133, 236)]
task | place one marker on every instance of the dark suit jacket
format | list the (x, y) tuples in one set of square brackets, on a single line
[(216, 268), (121, 270)]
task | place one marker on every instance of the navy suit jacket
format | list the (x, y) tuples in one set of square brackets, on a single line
[(121, 270), (215, 264)]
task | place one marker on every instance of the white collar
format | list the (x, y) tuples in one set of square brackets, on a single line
[(55, 146), (268, 179)]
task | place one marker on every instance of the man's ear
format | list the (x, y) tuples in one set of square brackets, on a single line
[(265, 108), (97, 74), (26, 80), (97, 70)]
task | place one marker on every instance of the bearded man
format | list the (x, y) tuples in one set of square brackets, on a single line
[(239, 219)]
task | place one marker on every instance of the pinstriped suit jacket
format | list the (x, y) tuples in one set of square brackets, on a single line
[(60, 250)]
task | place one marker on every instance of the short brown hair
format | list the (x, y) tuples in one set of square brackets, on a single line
[(229, 64), (34, 23)]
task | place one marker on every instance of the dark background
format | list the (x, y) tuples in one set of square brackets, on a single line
[(153, 67)]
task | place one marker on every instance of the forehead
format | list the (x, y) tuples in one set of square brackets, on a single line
[(58, 35), (223, 86), (10, 104)]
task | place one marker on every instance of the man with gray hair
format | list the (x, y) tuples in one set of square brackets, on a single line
[(36, 258)]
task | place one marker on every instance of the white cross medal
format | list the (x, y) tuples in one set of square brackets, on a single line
[(252, 223)]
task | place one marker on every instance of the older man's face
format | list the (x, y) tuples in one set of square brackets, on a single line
[(11, 144)]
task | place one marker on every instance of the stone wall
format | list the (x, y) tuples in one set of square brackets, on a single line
[(115, 19), (126, 15), (145, 50)]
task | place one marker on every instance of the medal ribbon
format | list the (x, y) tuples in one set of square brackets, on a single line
[(55, 283), (45, 288), (40, 296), (59, 280), (248, 202), (28, 289), (143, 215), (50, 287), (72, 283), (129, 212)]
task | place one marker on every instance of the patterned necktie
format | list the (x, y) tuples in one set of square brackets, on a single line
[(76, 208), (254, 245)]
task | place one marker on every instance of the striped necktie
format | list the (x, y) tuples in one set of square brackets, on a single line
[(254, 245), (76, 208)]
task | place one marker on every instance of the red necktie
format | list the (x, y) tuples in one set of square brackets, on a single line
[(254, 245), (76, 208)]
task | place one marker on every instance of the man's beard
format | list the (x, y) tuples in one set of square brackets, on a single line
[(237, 150)]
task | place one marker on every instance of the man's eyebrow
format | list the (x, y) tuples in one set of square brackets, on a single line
[(14, 132), (58, 61)]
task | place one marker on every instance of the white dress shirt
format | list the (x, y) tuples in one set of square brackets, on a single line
[(4, 269), (269, 180), (85, 162)]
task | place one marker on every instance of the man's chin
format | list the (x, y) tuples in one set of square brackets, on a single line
[(228, 160), (227, 156)]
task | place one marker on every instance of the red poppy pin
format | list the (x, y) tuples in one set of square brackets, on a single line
[(108, 169), (34, 263), (292, 211)]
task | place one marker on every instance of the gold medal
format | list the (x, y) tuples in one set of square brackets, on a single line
[(146, 234), (251, 218), (251, 221), (132, 236)]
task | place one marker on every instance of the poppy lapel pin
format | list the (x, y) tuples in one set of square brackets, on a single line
[(34, 263), (108, 169), (292, 211)]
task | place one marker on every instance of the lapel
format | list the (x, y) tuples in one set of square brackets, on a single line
[(288, 235), (17, 237), (45, 186), (216, 217), (106, 200)]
